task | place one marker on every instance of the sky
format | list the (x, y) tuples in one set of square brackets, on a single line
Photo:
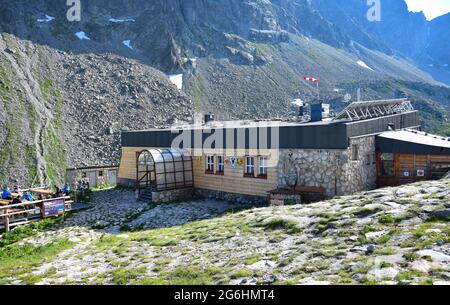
[(431, 8)]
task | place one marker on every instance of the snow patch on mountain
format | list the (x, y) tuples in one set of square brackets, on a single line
[(127, 43), (364, 65), (46, 19), (114, 20), (177, 80), (82, 35)]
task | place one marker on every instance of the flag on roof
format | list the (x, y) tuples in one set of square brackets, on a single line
[(312, 79)]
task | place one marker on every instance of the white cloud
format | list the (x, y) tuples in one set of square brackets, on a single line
[(431, 8)]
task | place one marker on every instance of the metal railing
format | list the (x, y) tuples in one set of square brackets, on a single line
[(14, 215)]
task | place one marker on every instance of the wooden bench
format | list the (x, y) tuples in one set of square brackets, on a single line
[(311, 194)]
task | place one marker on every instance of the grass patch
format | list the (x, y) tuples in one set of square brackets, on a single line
[(252, 259), (19, 260), (190, 276), (241, 273), (126, 276), (22, 232), (289, 225), (363, 213)]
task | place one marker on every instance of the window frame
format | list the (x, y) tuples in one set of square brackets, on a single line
[(387, 161), (355, 152), (262, 166), (210, 166), (248, 166), (220, 164)]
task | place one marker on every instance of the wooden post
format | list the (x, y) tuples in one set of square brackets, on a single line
[(7, 222)]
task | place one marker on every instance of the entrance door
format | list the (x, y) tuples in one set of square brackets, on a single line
[(93, 179), (112, 177)]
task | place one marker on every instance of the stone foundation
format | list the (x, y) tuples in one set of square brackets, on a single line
[(173, 195), (333, 169), (238, 198)]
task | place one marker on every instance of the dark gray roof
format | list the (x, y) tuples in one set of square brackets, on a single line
[(412, 142), (319, 135)]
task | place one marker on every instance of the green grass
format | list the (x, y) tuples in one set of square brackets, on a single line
[(241, 273), (18, 261), (252, 259), (389, 219), (191, 276), (22, 232), (123, 276), (290, 226)]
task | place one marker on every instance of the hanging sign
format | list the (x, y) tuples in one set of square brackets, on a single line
[(233, 162), (53, 208)]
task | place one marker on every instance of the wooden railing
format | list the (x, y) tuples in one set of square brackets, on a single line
[(14, 215)]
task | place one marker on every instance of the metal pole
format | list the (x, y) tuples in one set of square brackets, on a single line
[(318, 91)]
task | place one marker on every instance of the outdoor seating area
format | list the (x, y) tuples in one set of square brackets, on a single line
[(23, 206)]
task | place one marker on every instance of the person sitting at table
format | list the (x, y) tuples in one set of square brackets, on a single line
[(66, 189), (16, 189), (58, 193), (17, 200), (27, 196), (6, 194)]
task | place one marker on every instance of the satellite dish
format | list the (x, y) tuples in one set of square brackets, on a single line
[(347, 98)]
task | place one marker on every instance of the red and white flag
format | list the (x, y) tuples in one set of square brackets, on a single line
[(312, 79)]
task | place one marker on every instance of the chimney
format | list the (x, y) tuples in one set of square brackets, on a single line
[(209, 117), (319, 112)]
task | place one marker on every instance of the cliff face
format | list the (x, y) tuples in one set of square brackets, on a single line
[(239, 59), (62, 110)]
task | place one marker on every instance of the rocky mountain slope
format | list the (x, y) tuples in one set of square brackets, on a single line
[(61, 110), (387, 236), (87, 80)]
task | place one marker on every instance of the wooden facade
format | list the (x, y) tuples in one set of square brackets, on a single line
[(233, 178), (409, 168)]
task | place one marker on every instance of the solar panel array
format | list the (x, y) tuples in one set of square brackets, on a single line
[(374, 109)]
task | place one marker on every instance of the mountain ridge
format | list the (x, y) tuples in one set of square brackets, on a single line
[(239, 59)]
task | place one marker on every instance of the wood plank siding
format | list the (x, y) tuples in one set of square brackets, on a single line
[(408, 166), (233, 180)]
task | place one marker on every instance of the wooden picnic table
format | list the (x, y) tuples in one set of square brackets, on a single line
[(5, 202)]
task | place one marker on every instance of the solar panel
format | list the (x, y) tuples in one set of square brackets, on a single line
[(374, 109)]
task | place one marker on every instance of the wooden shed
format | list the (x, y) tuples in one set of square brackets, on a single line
[(407, 156)]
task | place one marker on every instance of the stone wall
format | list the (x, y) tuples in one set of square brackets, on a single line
[(332, 169), (232, 197), (172, 195)]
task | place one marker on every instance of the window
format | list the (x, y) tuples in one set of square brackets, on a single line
[(100, 173), (371, 159), (220, 164), (249, 166), (83, 175), (355, 153), (387, 165), (210, 164), (263, 166)]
